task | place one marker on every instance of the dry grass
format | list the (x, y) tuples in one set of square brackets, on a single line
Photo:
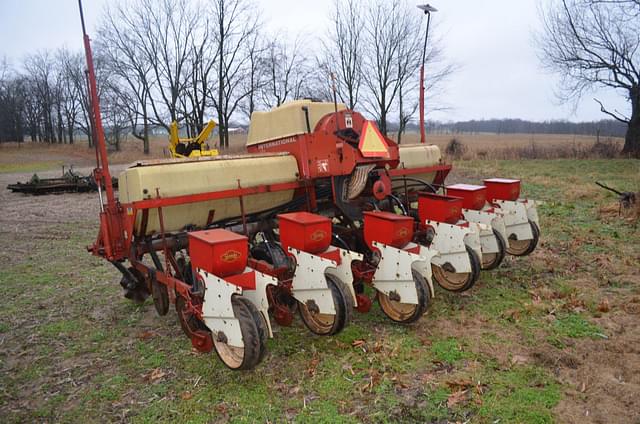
[(37, 156), (525, 146)]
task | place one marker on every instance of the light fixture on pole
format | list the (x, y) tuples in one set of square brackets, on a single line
[(428, 9)]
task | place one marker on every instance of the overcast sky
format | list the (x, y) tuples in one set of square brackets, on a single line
[(499, 73)]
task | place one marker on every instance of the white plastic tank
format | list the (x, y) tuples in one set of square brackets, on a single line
[(419, 156), (183, 177)]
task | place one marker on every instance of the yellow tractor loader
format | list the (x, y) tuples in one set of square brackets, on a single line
[(191, 147)]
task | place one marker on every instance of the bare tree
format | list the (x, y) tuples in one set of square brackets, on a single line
[(595, 43), (71, 96), (343, 51), (322, 80), (127, 61), (392, 54), (407, 64), (632, 5), (287, 73), (12, 95), (373, 50), (237, 22), (40, 71), (201, 67), (76, 73), (55, 101), (58, 99), (163, 31), (31, 110), (256, 76), (163, 60), (382, 46), (77, 78), (115, 113)]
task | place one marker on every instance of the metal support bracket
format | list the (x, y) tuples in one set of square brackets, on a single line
[(473, 239), (259, 296), (424, 267), (449, 241), (309, 283), (393, 277), (490, 221), (343, 271), (516, 219), (217, 310)]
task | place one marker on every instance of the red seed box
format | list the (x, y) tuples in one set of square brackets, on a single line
[(473, 196), (388, 228), (502, 189), (219, 252), (305, 231), (439, 208)]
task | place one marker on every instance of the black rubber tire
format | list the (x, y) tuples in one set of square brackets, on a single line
[(343, 304), (502, 251), (476, 267), (533, 243), (253, 331), (424, 301), (263, 330), (472, 277)]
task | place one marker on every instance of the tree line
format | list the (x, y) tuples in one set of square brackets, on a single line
[(604, 127), (192, 60)]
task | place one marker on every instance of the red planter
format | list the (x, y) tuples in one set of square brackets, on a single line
[(438, 207), (502, 189), (473, 196), (387, 228), (219, 252), (305, 231)]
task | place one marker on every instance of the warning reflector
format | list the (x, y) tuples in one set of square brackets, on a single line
[(372, 143)]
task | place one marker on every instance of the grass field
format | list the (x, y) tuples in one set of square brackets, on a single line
[(549, 338), (38, 156)]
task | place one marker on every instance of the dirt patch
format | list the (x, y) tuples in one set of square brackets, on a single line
[(604, 386), (28, 222), (555, 359)]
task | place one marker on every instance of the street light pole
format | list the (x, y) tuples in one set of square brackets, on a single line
[(427, 8)]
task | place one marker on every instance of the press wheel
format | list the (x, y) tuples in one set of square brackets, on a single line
[(493, 260), (524, 247), (261, 326), (458, 281), (328, 324), (407, 313), (254, 336)]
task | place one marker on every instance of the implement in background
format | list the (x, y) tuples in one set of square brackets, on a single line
[(191, 147)]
